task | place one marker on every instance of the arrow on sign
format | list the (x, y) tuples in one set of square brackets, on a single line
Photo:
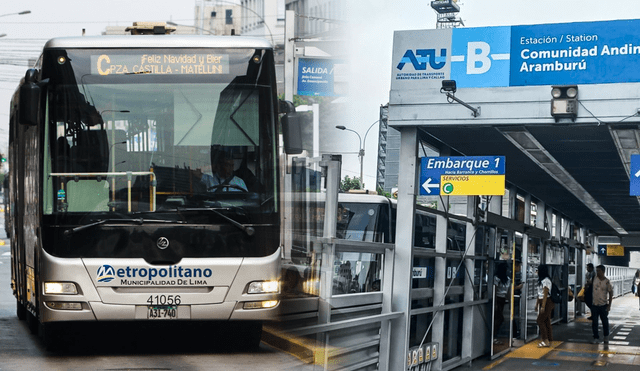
[(427, 185), (638, 174)]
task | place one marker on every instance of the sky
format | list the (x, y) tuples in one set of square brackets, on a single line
[(369, 39)]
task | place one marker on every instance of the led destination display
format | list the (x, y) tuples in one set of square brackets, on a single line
[(161, 64)]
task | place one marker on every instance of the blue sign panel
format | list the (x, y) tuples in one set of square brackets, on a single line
[(480, 56), (549, 54), (634, 183), (575, 53), (315, 77), (602, 250), (433, 168)]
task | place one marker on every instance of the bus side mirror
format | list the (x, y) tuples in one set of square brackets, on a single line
[(291, 128), (291, 133), (29, 99)]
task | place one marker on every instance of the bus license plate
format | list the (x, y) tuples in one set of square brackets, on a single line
[(162, 312)]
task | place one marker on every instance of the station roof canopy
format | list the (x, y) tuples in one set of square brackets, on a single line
[(576, 170), (572, 152)]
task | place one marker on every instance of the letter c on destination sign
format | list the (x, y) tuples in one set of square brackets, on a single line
[(103, 58)]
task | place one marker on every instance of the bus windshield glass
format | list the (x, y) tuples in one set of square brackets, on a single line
[(159, 130)]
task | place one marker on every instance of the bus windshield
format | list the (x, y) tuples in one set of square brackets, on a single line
[(155, 130)]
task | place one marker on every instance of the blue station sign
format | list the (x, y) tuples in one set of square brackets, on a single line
[(634, 177), (462, 176), (566, 53), (315, 77)]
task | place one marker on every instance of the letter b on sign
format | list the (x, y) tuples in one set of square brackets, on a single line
[(478, 61)]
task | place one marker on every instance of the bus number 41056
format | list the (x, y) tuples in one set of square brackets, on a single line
[(164, 300)]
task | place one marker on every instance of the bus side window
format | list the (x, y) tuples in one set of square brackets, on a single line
[(383, 233)]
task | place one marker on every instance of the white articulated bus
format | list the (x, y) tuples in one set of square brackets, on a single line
[(144, 182)]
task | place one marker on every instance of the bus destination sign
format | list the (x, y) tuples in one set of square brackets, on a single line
[(160, 64)]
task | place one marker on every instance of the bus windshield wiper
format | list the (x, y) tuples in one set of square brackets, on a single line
[(250, 231), (139, 221)]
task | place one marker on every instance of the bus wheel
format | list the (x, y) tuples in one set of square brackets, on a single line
[(249, 335), (32, 323), (52, 336), (21, 311)]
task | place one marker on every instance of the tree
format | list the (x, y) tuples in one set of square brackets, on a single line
[(350, 183), (381, 192)]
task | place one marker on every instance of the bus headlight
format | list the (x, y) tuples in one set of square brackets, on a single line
[(63, 305), (264, 287), (65, 288), (260, 304)]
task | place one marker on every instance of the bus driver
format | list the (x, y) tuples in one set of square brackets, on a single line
[(223, 179)]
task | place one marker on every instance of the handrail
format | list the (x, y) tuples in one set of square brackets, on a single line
[(128, 174), (356, 246), (332, 326)]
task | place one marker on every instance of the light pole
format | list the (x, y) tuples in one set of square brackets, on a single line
[(362, 143), (19, 13)]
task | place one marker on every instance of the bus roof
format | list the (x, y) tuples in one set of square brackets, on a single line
[(157, 41), (361, 198), (350, 197)]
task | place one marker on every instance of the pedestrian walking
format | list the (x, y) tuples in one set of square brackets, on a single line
[(602, 299), (636, 285), (502, 284), (544, 306), (588, 288)]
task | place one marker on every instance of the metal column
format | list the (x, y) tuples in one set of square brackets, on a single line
[(403, 263), (289, 54)]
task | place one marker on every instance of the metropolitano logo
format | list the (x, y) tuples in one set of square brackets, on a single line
[(423, 57), (106, 273)]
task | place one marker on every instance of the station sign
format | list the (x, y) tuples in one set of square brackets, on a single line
[(548, 54), (315, 77), (602, 250), (611, 250), (634, 177), (462, 176), (615, 250)]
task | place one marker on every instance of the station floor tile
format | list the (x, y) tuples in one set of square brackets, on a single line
[(532, 351)]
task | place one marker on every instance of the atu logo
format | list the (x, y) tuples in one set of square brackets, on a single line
[(106, 273), (424, 56)]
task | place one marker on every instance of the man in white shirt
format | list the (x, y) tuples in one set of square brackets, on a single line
[(602, 299), (222, 179)]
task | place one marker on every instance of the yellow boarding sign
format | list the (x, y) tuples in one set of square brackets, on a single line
[(462, 176), (615, 250), (472, 185)]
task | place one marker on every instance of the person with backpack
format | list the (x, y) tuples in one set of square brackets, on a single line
[(602, 299), (544, 306)]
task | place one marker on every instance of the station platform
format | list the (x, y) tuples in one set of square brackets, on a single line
[(572, 348)]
